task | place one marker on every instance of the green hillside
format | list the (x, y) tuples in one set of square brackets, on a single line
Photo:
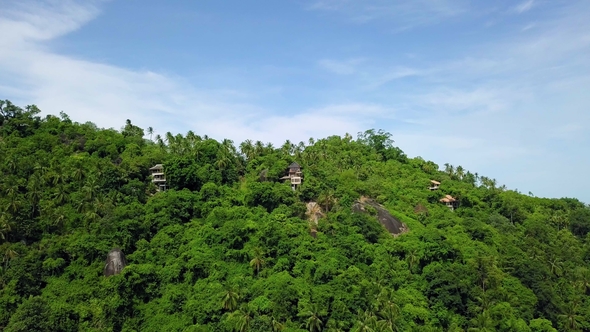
[(229, 246)]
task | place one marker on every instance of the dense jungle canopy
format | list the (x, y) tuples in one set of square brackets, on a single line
[(229, 246)]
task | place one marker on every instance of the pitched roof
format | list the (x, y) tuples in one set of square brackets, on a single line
[(294, 165), (158, 166), (434, 182), (448, 199)]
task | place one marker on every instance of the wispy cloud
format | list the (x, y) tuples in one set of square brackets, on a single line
[(346, 67), (41, 21), (524, 6), (499, 107), (108, 95), (528, 27), (504, 107), (405, 13)]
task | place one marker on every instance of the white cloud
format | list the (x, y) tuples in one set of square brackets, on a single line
[(332, 120), (524, 6), (40, 21), (512, 107), (528, 27), (108, 95), (346, 67), (406, 14), (507, 109)]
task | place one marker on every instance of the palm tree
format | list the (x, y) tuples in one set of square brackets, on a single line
[(367, 322), (583, 276), (560, 220), (42, 170), (78, 173), (484, 302), (484, 181), (327, 200), (570, 316), (413, 258), (389, 312), (247, 149), (12, 165), (58, 219), (13, 201), (555, 266), (150, 131), (91, 216), (493, 183), (34, 193), (61, 195), (313, 322), (228, 146), (259, 148), (460, 172), (484, 267), (483, 323), (160, 142), (230, 300), (191, 137), (269, 147), (4, 227), (222, 161), (449, 169), (242, 317), (8, 256), (257, 262), (275, 325), (334, 326), (169, 138), (287, 148)]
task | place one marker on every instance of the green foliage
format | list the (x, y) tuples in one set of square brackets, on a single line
[(230, 248)]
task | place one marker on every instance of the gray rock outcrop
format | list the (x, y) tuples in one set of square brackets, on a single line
[(115, 262), (392, 224)]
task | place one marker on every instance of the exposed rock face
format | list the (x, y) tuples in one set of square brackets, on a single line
[(115, 262), (314, 212), (392, 224), (263, 176)]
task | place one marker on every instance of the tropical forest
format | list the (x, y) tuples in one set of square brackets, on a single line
[(343, 233)]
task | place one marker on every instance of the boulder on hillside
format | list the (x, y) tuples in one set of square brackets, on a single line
[(392, 224), (313, 213), (115, 262)]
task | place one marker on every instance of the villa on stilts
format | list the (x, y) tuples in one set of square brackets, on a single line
[(158, 177), (295, 176), (451, 202)]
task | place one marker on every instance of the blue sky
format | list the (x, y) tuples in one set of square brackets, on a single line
[(501, 88)]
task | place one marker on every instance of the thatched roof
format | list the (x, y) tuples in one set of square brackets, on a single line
[(435, 182)]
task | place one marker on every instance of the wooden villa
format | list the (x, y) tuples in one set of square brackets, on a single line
[(451, 202), (434, 185), (158, 177), (295, 175)]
